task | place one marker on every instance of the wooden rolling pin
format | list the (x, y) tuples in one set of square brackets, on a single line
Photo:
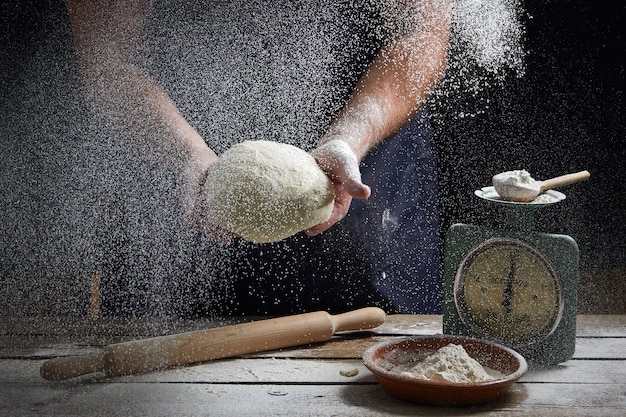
[(204, 345)]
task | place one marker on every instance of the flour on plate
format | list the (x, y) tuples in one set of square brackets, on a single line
[(450, 363)]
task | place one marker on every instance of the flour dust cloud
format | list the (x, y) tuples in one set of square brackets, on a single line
[(80, 199)]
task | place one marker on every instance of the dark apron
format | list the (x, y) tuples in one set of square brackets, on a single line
[(386, 252)]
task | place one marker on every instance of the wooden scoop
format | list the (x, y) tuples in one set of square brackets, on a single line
[(527, 191), (204, 345)]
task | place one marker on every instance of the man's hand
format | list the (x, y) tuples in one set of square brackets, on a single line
[(192, 198), (341, 165)]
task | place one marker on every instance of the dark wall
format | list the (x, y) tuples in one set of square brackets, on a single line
[(563, 115)]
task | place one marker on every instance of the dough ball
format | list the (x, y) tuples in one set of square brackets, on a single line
[(266, 191)]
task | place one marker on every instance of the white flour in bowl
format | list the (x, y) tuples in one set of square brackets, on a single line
[(450, 363)]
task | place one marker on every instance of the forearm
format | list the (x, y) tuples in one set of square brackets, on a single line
[(142, 112), (139, 110), (396, 84), (124, 93)]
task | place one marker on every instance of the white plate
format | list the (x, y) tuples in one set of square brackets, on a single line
[(544, 199)]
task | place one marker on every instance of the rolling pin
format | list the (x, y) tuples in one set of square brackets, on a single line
[(204, 345)]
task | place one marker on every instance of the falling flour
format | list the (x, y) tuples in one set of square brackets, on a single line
[(450, 363), (489, 33)]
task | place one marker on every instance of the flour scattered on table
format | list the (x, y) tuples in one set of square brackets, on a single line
[(450, 363), (349, 373), (277, 393)]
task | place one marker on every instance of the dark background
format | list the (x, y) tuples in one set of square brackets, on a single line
[(564, 115)]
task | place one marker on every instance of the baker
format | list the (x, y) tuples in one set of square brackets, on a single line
[(345, 81)]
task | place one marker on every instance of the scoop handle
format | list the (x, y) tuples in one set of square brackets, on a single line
[(361, 319), (564, 180)]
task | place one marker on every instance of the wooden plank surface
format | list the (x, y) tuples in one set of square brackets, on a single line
[(305, 371), (259, 400), (54, 335), (601, 326), (108, 330), (306, 381), (339, 347)]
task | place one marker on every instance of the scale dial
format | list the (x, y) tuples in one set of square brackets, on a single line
[(507, 291)]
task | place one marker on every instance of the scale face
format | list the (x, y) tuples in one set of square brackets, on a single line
[(515, 287), (507, 291)]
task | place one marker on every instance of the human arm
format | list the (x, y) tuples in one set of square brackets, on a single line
[(105, 35), (388, 95)]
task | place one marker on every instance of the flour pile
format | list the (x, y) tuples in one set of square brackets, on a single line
[(450, 363)]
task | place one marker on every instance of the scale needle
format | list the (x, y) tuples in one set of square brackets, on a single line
[(507, 295)]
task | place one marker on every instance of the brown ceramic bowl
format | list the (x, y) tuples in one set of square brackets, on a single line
[(382, 358)]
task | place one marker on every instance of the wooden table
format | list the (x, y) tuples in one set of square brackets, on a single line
[(314, 380)]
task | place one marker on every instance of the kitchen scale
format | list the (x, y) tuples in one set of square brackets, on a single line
[(511, 284)]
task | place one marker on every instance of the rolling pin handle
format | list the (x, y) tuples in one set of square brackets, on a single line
[(59, 369), (364, 318)]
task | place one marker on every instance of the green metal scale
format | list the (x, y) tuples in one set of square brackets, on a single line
[(513, 285)]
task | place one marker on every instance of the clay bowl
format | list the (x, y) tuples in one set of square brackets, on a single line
[(383, 357)]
